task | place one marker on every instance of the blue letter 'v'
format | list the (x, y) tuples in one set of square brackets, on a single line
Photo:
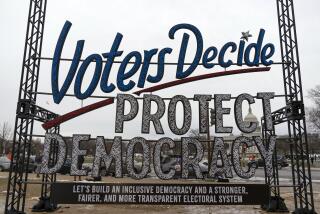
[(56, 93)]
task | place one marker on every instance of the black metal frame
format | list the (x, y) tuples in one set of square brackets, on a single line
[(303, 193), (293, 115), (28, 112)]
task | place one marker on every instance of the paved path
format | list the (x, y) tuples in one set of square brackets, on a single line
[(285, 174)]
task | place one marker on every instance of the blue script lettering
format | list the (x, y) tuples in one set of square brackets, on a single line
[(250, 55)]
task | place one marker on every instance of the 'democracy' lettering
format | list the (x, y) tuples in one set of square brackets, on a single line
[(45, 167), (251, 55), (188, 162), (219, 148)]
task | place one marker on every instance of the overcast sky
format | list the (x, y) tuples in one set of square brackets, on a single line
[(145, 25)]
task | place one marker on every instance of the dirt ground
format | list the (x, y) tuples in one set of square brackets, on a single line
[(34, 192)]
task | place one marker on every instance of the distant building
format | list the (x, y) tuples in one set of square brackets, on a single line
[(253, 150)]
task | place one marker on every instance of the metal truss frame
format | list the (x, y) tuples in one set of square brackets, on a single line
[(302, 184), (28, 112), (293, 114)]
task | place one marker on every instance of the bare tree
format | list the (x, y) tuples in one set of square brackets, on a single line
[(313, 113), (5, 135), (36, 147)]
